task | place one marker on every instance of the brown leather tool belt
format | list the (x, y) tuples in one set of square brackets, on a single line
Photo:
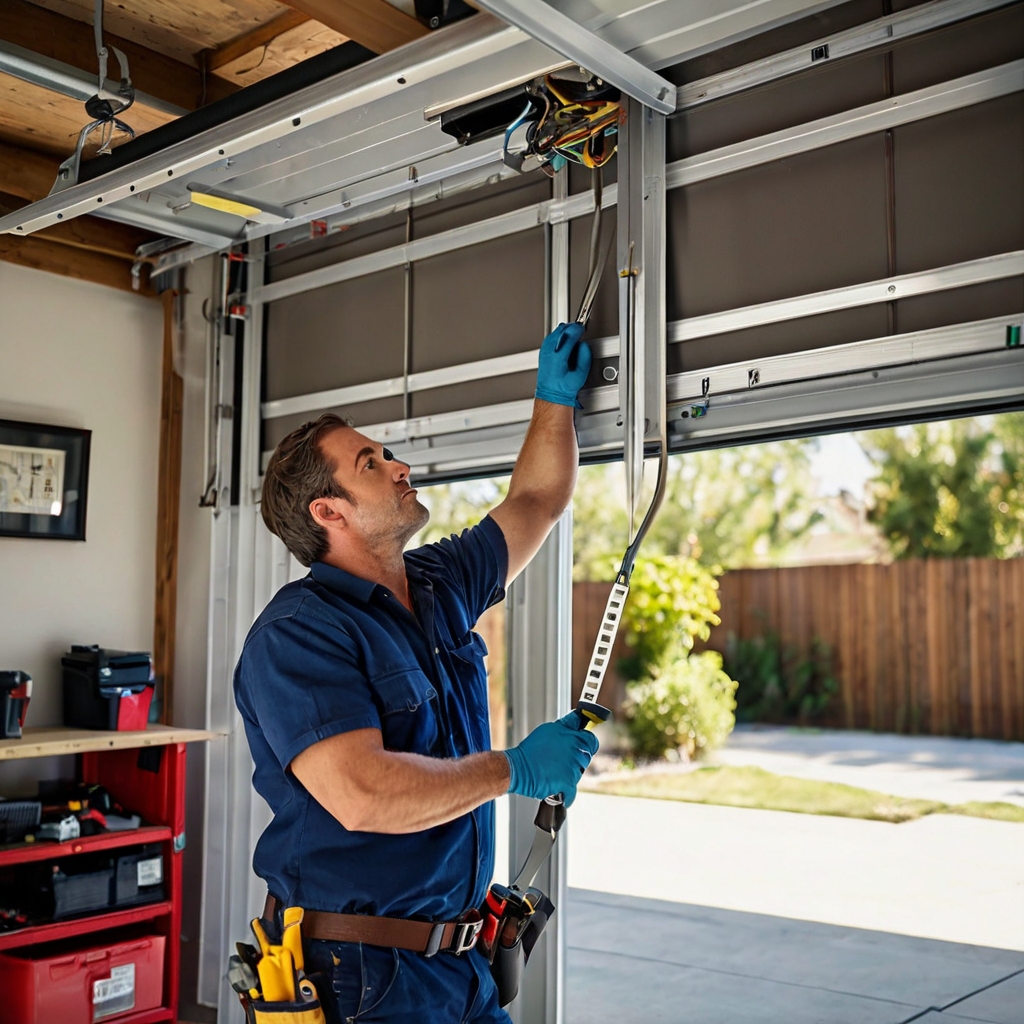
[(425, 937)]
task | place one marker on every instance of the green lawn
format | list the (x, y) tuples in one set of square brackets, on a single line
[(754, 787)]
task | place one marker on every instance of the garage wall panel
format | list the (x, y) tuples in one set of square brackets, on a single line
[(960, 185), (961, 305), (806, 30), (480, 302), (960, 49), (350, 243), (479, 204), (839, 328), (806, 224), (343, 334), (820, 92), (476, 393), (381, 410), (604, 318)]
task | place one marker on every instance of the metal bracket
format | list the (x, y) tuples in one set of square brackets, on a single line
[(551, 27)]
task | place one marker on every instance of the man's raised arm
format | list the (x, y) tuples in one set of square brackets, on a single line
[(545, 473)]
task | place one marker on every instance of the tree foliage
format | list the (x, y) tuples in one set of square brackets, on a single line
[(729, 507), (949, 489)]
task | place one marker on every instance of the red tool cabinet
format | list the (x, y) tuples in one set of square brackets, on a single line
[(145, 772)]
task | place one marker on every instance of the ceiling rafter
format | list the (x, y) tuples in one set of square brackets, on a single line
[(374, 24), (45, 254), (253, 39), (61, 38), (26, 173)]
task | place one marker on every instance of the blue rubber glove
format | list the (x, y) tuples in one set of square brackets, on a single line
[(564, 365), (552, 758)]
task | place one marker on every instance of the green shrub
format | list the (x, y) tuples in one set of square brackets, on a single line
[(672, 602), (687, 706), (777, 682)]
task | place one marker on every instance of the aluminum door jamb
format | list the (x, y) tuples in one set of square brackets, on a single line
[(539, 632), (567, 37), (641, 262)]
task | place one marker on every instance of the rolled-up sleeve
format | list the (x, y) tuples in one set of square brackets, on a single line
[(298, 681)]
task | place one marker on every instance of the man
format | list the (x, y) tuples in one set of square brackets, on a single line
[(364, 698)]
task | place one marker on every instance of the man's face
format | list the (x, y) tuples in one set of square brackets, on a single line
[(384, 506)]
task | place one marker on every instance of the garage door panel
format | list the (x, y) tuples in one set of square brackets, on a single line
[(785, 37), (959, 186), (959, 49), (820, 92), (476, 393), (476, 303), (809, 223), (604, 318), (343, 334), (488, 201), (839, 328), (351, 242), (961, 305), (381, 410)]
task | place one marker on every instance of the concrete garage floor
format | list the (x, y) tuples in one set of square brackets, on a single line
[(684, 912)]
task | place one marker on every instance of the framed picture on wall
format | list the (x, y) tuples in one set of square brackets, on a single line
[(44, 475)]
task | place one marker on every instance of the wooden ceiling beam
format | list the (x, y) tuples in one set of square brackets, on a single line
[(40, 254), (374, 23), (26, 173), (254, 39), (65, 39)]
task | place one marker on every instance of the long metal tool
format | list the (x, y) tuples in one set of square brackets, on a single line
[(551, 812)]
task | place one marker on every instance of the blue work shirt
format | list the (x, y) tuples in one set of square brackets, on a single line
[(333, 652)]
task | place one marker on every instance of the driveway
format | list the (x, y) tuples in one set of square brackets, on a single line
[(686, 912)]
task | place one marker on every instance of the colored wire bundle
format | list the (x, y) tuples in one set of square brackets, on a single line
[(564, 128)]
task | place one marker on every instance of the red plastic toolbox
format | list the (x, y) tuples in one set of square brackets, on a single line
[(65, 983)]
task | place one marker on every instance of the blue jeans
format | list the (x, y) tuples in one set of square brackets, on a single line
[(360, 984)]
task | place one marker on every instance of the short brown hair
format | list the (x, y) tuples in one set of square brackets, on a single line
[(299, 472)]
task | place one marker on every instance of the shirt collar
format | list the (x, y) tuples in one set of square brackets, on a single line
[(355, 586), (343, 582)]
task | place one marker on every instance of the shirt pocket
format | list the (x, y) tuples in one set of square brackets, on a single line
[(468, 664), (472, 650), (409, 719)]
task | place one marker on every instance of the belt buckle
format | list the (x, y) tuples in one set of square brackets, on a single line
[(466, 933)]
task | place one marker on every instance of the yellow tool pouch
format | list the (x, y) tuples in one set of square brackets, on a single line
[(287, 1013)]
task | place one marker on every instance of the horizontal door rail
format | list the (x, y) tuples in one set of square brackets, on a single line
[(958, 275), (851, 124), (414, 440), (888, 289), (872, 35)]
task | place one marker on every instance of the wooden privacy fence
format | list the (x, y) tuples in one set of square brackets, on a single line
[(919, 646)]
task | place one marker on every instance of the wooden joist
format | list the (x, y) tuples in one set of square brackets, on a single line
[(253, 39), (70, 41), (26, 173), (168, 499), (56, 258), (374, 23)]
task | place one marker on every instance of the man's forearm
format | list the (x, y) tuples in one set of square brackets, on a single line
[(370, 789), (413, 792)]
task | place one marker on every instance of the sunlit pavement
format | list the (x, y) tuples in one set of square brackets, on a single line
[(686, 912), (944, 768)]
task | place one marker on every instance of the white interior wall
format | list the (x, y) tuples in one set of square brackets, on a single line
[(76, 354)]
